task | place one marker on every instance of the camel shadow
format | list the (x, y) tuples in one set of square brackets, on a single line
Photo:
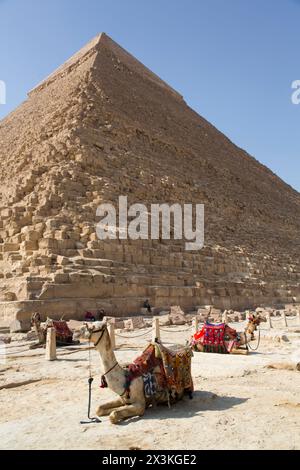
[(202, 401)]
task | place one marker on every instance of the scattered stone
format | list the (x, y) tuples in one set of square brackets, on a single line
[(20, 326), (134, 323), (177, 316)]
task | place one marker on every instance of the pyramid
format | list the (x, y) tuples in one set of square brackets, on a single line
[(103, 125)]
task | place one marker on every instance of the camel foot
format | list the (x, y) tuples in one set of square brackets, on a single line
[(102, 411), (114, 418)]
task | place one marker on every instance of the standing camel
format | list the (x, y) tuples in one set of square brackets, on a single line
[(126, 404)]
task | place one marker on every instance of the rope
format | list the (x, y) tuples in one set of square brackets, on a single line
[(133, 336), (90, 381), (258, 342), (291, 318), (176, 331)]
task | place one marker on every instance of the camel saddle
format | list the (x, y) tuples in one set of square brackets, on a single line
[(161, 369), (63, 332), (216, 338)]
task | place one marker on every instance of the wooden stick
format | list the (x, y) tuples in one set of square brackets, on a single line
[(284, 319), (51, 344), (155, 329), (196, 324), (225, 317), (269, 322)]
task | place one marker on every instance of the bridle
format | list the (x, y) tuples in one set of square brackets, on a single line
[(101, 336), (103, 377)]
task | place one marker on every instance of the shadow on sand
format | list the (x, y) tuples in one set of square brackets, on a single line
[(186, 408)]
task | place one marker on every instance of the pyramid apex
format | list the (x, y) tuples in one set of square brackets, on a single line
[(91, 50)]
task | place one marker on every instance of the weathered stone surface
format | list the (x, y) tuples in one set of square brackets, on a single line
[(82, 138), (134, 323), (19, 326), (177, 316)]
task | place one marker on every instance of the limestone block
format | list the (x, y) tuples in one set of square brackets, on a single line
[(164, 320), (32, 236), (62, 260), (20, 326), (10, 296), (7, 247), (61, 235), (48, 243), (6, 213), (29, 246), (66, 244), (134, 323), (61, 278), (177, 316)]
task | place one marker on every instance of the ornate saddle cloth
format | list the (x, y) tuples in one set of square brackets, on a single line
[(162, 369), (63, 332), (216, 338)]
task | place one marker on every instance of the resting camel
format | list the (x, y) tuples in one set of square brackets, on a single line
[(64, 335), (239, 338), (126, 405)]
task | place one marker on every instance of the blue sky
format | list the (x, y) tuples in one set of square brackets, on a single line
[(233, 60)]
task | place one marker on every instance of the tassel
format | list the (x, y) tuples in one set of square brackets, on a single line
[(103, 382)]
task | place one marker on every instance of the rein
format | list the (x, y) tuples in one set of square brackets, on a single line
[(258, 342), (91, 379), (248, 345), (98, 331), (103, 377)]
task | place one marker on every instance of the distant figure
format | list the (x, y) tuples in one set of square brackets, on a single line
[(89, 317), (147, 305), (100, 314)]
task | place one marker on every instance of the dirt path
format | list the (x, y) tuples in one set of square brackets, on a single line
[(238, 402)]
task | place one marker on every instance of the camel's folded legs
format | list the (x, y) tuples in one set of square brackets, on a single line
[(239, 351), (107, 408), (127, 411)]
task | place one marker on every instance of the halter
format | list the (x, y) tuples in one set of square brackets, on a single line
[(98, 331), (103, 377)]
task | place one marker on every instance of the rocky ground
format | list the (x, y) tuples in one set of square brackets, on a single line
[(239, 402)]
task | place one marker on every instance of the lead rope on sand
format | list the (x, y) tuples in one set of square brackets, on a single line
[(90, 381), (258, 342)]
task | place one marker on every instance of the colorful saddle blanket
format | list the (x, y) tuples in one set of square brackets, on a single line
[(63, 332), (216, 338), (162, 369)]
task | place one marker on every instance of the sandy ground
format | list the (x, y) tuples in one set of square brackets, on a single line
[(238, 403)]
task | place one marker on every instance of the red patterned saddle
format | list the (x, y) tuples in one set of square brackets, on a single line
[(63, 332), (216, 338)]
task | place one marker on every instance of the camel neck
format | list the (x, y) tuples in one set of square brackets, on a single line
[(116, 376)]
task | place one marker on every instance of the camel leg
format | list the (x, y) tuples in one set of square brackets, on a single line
[(127, 411), (107, 408), (239, 351)]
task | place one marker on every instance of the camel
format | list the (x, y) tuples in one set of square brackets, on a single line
[(126, 405), (64, 335), (241, 338)]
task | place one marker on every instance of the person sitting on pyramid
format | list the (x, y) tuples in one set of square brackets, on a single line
[(147, 305)]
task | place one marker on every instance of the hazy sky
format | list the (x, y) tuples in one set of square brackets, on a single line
[(234, 61)]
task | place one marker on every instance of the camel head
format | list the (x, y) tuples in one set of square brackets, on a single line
[(254, 322), (35, 319), (92, 332)]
